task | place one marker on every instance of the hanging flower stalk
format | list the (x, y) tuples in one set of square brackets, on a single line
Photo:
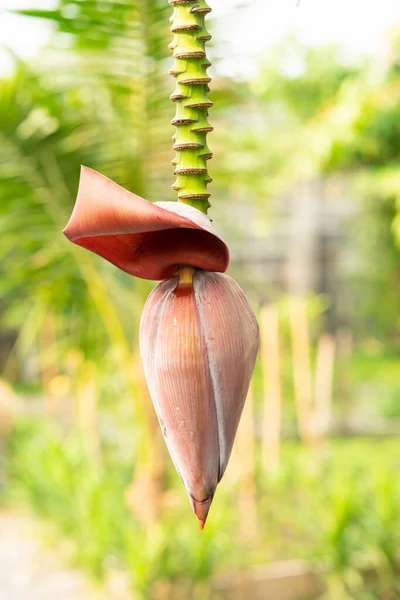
[(192, 102), (198, 333)]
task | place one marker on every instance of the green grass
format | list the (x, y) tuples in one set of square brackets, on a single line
[(338, 508)]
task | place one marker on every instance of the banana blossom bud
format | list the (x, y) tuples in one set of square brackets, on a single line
[(198, 342), (198, 333)]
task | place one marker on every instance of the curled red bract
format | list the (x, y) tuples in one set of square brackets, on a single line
[(143, 239)]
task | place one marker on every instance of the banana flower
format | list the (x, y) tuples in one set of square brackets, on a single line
[(198, 333)]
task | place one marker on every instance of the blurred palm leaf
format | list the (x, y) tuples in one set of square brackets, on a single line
[(102, 102)]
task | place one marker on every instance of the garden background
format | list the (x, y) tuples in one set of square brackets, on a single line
[(307, 193)]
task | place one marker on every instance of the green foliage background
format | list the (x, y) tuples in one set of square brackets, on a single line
[(99, 96)]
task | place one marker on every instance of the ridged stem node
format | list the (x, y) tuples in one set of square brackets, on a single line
[(192, 102)]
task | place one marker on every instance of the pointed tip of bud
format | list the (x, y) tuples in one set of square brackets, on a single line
[(201, 509)]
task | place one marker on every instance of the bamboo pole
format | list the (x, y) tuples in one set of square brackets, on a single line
[(270, 357), (245, 444), (87, 411), (7, 408), (302, 375), (149, 478), (344, 351), (48, 361), (7, 416), (323, 384)]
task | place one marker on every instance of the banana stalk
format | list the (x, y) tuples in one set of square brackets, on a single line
[(192, 102)]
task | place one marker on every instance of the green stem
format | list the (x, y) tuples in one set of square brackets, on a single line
[(192, 102)]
